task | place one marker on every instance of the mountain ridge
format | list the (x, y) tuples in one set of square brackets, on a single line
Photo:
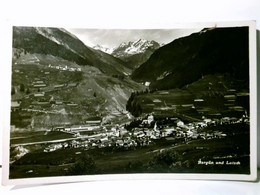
[(135, 53), (136, 47), (59, 42), (187, 59)]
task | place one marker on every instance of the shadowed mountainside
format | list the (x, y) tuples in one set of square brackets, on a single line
[(187, 59)]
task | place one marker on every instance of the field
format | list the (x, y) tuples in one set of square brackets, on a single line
[(162, 156), (214, 96), (70, 94), (37, 136)]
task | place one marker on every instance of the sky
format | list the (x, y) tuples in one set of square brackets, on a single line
[(114, 37)]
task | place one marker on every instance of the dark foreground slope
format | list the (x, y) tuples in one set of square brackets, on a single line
[(185, 60)]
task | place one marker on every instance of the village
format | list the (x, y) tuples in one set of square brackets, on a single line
[(64, 68), (95, 135)]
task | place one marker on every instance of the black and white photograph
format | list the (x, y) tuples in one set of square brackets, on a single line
[(94, 102)]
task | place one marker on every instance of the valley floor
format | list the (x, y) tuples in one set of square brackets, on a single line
[(167, 154)]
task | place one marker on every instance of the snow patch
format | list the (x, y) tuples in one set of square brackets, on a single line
[(46, 32), (104, 49), (131, 48)]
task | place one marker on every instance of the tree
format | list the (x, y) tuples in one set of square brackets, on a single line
[(164, 162), (83, 166), (27, 91), (22, 87), (129, 103), (13, 91)]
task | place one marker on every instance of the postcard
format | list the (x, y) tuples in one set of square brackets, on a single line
[(102, 104)]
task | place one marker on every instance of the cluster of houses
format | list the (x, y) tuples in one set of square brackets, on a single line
[(65, 68), (118, 136), (91, 125), (38, 84), (103, 139)]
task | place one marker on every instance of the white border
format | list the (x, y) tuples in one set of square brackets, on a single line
[(253, 116)]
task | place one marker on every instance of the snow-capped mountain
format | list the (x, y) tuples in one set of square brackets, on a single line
[(135, 53), (104, 49), (132, 48)]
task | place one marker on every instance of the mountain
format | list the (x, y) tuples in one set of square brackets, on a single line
[(131, 48), (187, 59), (135, 53), (104, 49), (76, 82), (59, 42)]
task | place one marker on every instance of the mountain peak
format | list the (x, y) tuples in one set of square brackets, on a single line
[(137, 47)]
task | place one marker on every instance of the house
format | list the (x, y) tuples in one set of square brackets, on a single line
[(39, 85), (12, 128), (230, 97), (207, 121), (198, 100), (58, 102), (180, 124), (141, 135), (93, 122), (148, 133), (201, 124), (40, 94), (72, 104), (157, 101), (105, 139), (38, 82), (163, 133), (164, 92), (59, 128), (67, 129), (58, 86), (72, 84), (145, 121), (225, 120), (15, 104), (42, 103), (190, 126), (169, 131), (119, 142), (150, 119), (189, 133), (147, 84)]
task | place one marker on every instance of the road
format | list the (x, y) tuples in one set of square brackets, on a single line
[(56, 141)]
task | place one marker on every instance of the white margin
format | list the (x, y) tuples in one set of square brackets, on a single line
[(205, 176)]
